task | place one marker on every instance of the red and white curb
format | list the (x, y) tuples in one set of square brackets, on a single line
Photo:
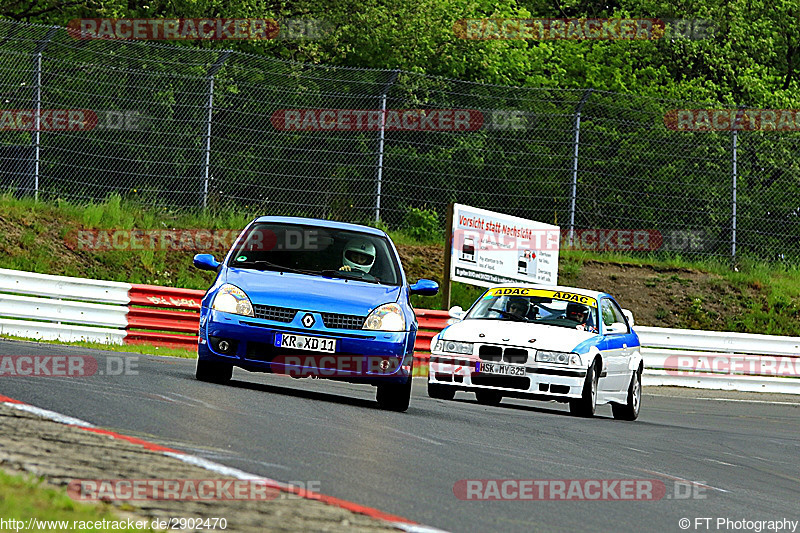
[(397, 522)]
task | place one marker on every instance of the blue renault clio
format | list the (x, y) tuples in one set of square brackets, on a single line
[(311, 298)]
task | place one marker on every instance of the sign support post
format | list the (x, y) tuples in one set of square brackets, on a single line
[(448, 247)]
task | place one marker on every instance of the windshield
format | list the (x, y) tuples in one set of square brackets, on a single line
[(539, 306), (317, 251)]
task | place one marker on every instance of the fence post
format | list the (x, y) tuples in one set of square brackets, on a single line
[(379, 177), (37, 98), (209, 109), (734, 179), (574, 193)]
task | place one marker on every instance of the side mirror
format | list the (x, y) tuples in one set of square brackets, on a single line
[(629, 316), (206, 262), (457, 312), (424, 287), (616, 328)]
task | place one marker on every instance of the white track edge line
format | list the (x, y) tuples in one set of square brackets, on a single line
[(50, 415)]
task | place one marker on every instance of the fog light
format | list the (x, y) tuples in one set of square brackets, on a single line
[(226, 346)]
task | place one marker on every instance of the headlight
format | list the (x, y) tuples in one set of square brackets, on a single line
[(232, 299), (386, 317), (562, 358), (454, 347)]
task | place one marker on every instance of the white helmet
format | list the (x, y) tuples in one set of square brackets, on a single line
[(359, 254)]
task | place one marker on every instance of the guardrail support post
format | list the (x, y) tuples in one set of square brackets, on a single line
[(574, 192)]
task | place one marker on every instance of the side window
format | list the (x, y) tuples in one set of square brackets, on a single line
[(612, 316), (608, 313)]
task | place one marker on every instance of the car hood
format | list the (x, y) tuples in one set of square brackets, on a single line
[(311, 293), (506, 332)]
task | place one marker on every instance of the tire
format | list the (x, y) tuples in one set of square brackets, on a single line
[(213, 371), (587, 404), (488, 397), (394, 396), (441, 392), (630, 411)]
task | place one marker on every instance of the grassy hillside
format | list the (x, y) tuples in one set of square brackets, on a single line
[(754, 298)]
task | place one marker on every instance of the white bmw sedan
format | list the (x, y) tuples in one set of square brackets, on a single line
[(544, 343)]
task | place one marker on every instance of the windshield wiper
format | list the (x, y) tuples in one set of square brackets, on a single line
[(360, 275), (272, 266), (338, 273)]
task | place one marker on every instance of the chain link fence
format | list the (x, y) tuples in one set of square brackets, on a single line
[(192, 128)]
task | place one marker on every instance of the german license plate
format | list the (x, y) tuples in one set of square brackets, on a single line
[(498, 368), (301, 342)]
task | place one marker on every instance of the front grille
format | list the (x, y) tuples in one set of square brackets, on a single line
[(331, 320), (337, 321), (506, 382), (517, 356), (490, 353), (278, 314)]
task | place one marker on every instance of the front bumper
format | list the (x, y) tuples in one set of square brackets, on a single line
[(540, 380), (360, 355)]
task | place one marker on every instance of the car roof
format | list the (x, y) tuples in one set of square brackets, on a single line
[(333, 224), (575, 290)]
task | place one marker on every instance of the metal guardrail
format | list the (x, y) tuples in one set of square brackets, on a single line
[(46, 307), (775, 385), (90, 290), (61, 308), (54, 310), (719, 341), (53, 331)]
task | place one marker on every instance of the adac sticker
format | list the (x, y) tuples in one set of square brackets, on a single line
[(544, 293)]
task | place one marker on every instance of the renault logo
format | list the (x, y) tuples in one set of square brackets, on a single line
[(308, 320)]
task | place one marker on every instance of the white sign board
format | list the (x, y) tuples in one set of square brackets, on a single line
[(488, 248)]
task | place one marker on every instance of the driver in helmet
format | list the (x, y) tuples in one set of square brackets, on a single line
[(359, 254), (578, 313), (518, 306)]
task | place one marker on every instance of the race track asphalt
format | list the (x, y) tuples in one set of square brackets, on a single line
[(742, 454)]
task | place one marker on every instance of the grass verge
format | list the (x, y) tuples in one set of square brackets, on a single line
[(143, 349), (28, 499)]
